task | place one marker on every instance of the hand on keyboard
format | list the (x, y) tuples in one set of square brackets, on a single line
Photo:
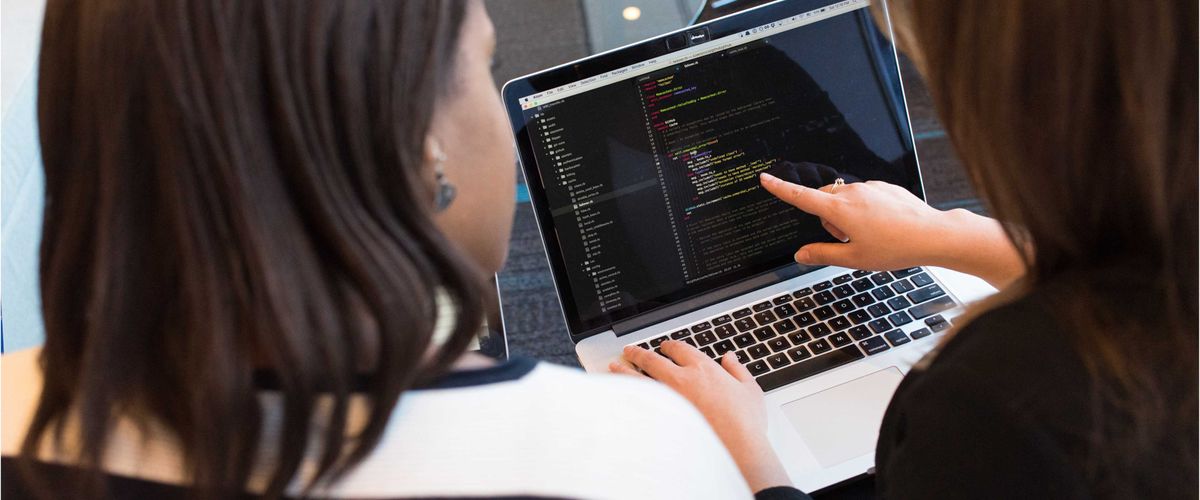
[(726, 394)]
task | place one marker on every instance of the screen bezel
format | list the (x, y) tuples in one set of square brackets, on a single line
[(517, 88)]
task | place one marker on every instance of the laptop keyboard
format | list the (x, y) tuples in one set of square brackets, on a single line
[(813, 329)]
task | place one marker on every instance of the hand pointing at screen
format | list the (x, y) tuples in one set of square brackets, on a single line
[(885, 227)]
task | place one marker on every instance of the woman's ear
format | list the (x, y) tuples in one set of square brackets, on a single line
[(432, 159), (443, 190)]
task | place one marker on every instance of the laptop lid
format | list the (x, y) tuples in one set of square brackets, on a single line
[(642, 162)]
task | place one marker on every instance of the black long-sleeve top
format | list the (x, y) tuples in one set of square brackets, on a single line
[(1006, 409)]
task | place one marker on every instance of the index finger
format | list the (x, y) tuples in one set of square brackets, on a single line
[(683, 354), (656, 366), (813, 201)]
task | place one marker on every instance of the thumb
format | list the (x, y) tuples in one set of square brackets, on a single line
[(730, 363), (833, 254)]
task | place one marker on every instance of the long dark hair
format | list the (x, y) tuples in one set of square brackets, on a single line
[(233, 188), (1077, 120)]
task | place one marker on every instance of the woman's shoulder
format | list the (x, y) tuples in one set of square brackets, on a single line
[(1003, 399), (1020, 357), (553, 431)]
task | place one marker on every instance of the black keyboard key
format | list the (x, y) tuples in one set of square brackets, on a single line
[(808, 368), (860, 332), (778, 344), (880, 325), (781, 300), (804, 319), (742, 313), (932, 307), (922, 294), (784, 311), (824, 285), (779, 361), (706, 337), (762, 306), (725, 331), (764, 333), (699, 327), (785, 326), (882, 279), (902, 286), (921, 280), (744, 340), (920, 333), (937, 327), (858, 317), (863, 300), (906, 272), (874, 345), (659, 351), (690, 341), (843, 291), (708, 352), (882, 293), (896, 337), (860, 273), (803, 292), (799, 354), (862, 285), (799, 337), (839, 323), (723, 347), (804, 304), (879, 310), (823, 313), (765, 318), (845, 278), (757, 351), (644, 345), (655, 342), (758, 368), (722, 319), (899, 319), (819, 330), (840, 340), (742, 357), (680, 334), (819, 346), (898, 303), (823, 298), (934, 319), (843, 306), (745, 324)]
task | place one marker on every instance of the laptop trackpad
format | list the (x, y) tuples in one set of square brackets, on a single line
[(842, 422)]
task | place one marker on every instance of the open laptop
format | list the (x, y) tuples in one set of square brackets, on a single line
[(642, 165)]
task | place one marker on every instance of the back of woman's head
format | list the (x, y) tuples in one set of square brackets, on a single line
[(234, 188), (1077, 121)]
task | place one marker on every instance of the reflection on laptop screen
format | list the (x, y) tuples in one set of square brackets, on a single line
[(651, 171)]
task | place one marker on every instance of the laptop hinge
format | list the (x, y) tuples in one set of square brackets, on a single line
[(701, 301)]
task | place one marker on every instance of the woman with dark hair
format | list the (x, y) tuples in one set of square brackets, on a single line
[(1077, 122), (268, 229)]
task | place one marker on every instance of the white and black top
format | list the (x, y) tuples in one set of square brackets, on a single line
[(520, 429)]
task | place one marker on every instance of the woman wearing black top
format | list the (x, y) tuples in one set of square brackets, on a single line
[(1076, 120)]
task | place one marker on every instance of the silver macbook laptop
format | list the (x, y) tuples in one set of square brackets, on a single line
[(642, 165)]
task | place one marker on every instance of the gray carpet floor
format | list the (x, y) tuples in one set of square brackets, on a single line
[(537, 34)]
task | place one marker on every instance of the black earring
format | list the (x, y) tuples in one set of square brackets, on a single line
[(446, 191)]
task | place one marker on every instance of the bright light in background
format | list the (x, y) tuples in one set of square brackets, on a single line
[(631, 13)]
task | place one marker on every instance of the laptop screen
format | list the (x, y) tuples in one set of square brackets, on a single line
[(646, 175)]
